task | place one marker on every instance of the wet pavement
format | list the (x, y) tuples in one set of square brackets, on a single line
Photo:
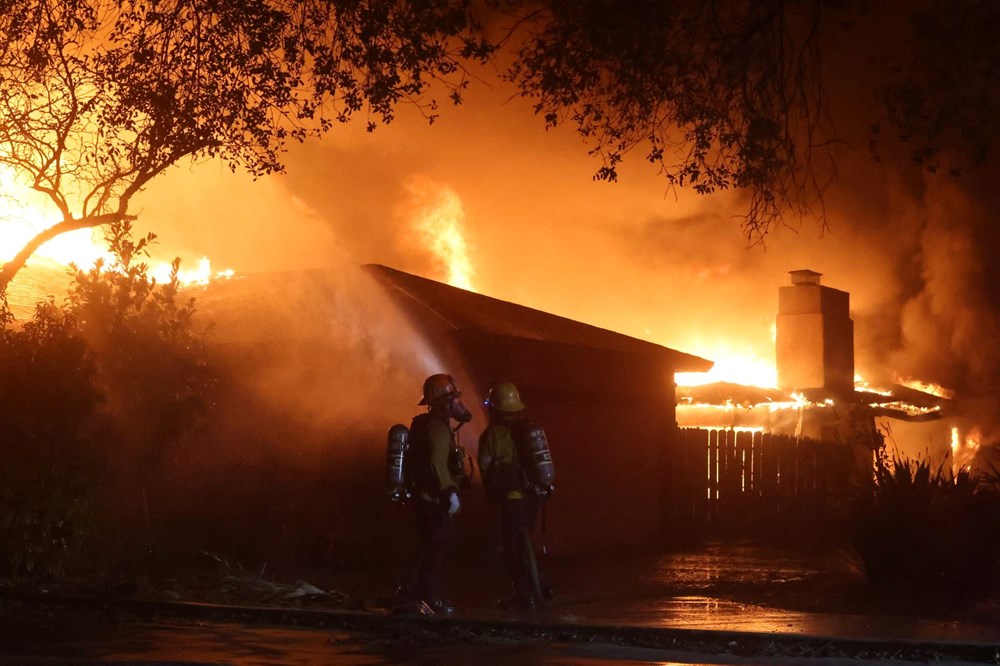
[(745, 588), (713, 604), (86, 637)]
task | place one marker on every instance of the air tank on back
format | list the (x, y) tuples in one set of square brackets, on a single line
[(396, 481), (536, 458)]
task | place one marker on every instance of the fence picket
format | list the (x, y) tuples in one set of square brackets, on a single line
[(731, 476)]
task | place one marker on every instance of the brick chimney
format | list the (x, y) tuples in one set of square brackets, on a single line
[(815, 336)]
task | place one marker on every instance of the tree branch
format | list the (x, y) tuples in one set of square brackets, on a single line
[(11, 268)]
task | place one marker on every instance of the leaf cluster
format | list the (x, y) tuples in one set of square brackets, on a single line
[(50, 462), (152, 365), (98, 97), (718, 94), (96, 392), (928, 534), (942, 99), (151, 82), (237, 80)]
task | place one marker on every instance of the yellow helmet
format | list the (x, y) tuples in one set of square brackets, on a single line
[(505, 398)]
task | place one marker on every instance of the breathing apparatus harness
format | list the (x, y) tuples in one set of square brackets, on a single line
[(399, 478), (458, 458)]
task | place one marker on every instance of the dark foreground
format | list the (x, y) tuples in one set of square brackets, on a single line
[(711, 604), (39, 633)]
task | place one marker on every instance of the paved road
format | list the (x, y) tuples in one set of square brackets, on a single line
[(752, 592), (71, 637)]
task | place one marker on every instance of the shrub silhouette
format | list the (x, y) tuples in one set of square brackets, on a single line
[(925, 533)]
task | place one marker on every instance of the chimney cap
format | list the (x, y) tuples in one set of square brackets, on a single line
[(804, 276)]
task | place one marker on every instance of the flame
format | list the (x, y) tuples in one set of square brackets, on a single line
[(759, 417), (200, 275), (964, 450), (926, 387), (438, 218), (911, 409), (734, 363), (861, 384), (20, 221)]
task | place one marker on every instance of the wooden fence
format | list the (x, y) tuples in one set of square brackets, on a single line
[(727, 476)]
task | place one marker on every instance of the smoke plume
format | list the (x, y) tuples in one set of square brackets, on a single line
[(633, 256)]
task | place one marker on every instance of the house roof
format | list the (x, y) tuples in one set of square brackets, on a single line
[(460, 309)]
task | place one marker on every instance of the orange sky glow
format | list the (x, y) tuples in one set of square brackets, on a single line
[(487, 200)]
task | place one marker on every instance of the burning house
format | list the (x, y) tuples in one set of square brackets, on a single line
[(328, 361), (606, 401), (321, 363), (806, 445)]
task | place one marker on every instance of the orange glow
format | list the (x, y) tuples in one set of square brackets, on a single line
[(735, 363), (21, 219), (926, 387), (964, 450), (24, 217), (438, 218)]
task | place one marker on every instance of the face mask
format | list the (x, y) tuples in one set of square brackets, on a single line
[(458, 411)]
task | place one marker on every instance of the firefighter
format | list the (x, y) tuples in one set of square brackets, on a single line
[(435, 486), (508, 486)]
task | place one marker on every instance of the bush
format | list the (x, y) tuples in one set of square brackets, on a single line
[(50, 463), (96, 393), (928, 534), (150, 359), (153, 373)]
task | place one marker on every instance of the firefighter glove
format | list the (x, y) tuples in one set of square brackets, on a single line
[(451, 503)]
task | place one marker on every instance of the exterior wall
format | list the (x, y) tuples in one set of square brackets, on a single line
[(608, 419), (297, 463)]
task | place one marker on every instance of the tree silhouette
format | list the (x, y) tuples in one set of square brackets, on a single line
[(98, 97), (721, 94), (717, 94)]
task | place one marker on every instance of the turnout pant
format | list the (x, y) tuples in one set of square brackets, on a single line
[(434, 529), (517, 521)]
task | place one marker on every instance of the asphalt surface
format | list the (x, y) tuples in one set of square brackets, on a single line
[(747, 589), (713, 604)]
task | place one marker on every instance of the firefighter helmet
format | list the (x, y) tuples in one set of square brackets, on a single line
[(505, 398), (437, 387)]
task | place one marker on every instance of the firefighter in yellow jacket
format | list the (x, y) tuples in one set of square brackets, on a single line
[(436, 485), (504, 479)]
